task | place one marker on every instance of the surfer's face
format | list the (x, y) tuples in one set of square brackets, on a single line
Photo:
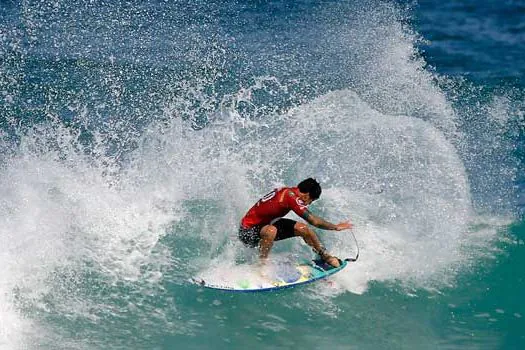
[(306, 198)]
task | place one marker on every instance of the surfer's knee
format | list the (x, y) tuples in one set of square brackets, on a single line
[(303, 230), (269, 232)]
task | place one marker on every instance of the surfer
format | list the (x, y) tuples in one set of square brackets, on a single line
[(264, 223)]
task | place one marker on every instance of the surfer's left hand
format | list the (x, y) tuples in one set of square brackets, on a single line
[(345, 225)]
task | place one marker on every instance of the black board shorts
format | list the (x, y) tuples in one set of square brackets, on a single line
[(252, 236)]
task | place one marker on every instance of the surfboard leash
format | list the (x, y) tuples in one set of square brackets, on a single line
[(357, 245)]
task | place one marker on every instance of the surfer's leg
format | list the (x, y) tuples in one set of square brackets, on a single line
[(268, 234), (309, 236), (287, 228), (311, 239)]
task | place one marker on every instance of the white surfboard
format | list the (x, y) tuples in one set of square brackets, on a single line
[(283, 275)]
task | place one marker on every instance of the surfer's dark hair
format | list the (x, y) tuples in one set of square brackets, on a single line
[(310, 186)]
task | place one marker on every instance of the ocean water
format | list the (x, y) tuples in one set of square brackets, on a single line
[(135, 134)]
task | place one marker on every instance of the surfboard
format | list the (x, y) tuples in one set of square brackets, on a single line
[(281, 276)]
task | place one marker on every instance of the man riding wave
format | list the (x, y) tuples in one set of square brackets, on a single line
[(264, 223)]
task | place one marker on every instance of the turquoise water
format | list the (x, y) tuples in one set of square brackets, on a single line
[(134, 136)]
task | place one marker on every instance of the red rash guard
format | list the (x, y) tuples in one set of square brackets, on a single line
[(274, 205)]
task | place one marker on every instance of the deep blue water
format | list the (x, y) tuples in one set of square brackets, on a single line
[(481, 41), (135, 134)]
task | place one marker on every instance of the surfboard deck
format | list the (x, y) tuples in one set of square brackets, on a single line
[(282, 276)]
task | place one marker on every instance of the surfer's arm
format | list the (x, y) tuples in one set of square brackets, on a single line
[(325, 225)]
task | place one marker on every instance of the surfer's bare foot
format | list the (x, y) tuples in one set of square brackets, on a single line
[(263, 268), (332, 260), (329, 259)]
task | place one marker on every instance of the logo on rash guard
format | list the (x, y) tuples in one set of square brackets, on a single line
[(300, 202)]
